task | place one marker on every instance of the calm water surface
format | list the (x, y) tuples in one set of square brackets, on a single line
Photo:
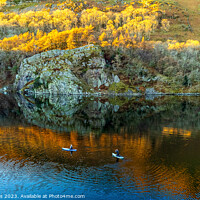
[(159, 138)]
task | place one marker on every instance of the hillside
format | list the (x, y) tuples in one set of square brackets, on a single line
[(182, 14), (147, 44), (184, 20)]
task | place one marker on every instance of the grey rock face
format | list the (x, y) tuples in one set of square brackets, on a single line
[(116, 79), (97, 77), (54, 71), (151, 91)]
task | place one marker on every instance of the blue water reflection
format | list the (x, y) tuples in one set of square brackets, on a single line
[(159, 140)]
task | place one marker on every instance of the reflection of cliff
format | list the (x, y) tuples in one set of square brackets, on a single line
[(9, 111), (67, 113)]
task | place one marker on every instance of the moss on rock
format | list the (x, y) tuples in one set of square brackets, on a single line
[(54, 71), (121, 87)]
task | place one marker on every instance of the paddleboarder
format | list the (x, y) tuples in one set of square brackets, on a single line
[(71, 147), (117, 152)]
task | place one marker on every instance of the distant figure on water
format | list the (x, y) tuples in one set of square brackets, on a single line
[(117, 152), (71, 147)]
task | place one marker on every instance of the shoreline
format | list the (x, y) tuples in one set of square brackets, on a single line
[(104, 94)]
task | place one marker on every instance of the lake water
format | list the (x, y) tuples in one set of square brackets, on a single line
[(159, 138)]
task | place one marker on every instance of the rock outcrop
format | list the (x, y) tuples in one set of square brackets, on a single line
[(75, 71)]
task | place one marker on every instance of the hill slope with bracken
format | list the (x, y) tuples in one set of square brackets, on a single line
[(184, 19), (193, 9), (128, 32)]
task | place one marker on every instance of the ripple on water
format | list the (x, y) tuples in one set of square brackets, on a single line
[(111, 179), (160, 181)]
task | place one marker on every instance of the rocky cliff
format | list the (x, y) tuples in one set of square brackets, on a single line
[(75, 71)]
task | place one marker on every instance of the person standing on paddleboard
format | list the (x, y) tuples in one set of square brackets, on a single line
[(117, 151), (71, 147)]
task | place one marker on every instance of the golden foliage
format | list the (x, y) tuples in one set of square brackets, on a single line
[(174, 45), (175, 131), (43, 20), (41, 41), (165, 25), (64, 29), (93, 17), (2, 3)]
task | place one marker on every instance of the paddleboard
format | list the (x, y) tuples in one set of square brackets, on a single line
[(115, 155), (68, 149)]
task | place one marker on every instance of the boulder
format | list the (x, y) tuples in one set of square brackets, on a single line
[(74, 71)]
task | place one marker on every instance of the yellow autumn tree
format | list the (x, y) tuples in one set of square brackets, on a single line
[(64, 28), (2, 3)]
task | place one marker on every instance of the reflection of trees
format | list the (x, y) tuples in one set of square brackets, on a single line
[(142, 130), (176, 131), (83, 114), (162, 166)]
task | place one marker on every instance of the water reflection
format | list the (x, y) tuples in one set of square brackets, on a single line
[(159, 140), (175, 131), (66, 113)]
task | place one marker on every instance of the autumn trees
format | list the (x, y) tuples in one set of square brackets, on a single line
[(46, 29), (2, 3), (71, 24)]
